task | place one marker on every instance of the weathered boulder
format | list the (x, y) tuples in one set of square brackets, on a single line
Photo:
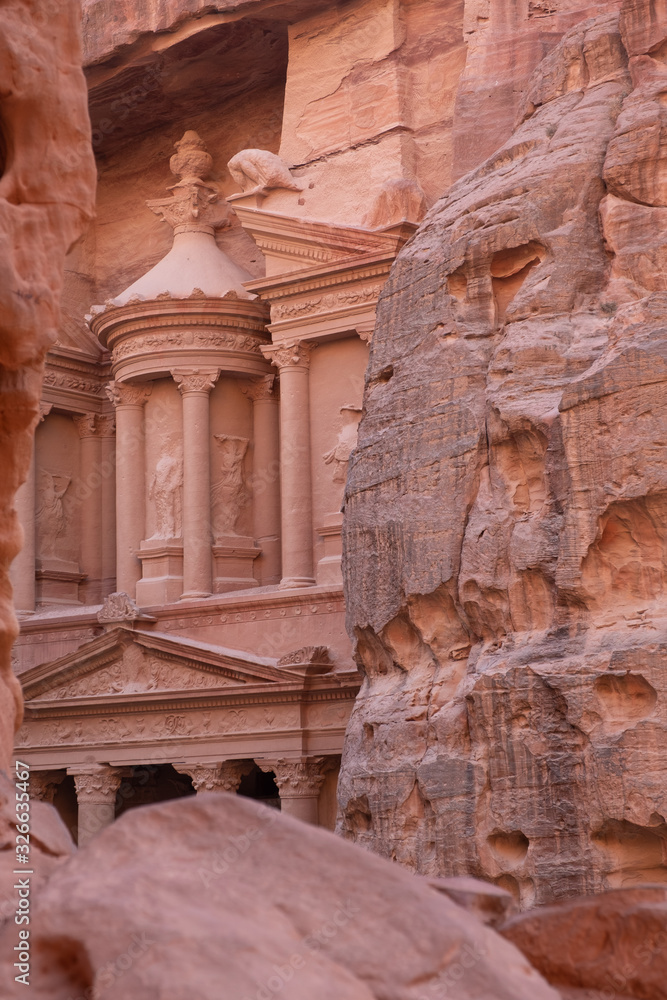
[(505, 530), (47, 181), (220, 896), (615, 943)]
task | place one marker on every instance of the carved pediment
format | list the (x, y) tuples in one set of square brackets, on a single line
[(129, 663)]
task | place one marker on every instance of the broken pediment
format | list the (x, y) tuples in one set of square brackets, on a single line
[(124, 662)]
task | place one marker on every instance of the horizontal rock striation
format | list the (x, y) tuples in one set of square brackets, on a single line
[(505, 527)]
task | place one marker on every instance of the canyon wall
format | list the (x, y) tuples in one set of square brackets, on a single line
[(47, 180), (505, 533)]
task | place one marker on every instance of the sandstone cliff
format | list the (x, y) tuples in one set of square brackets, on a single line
[(47, 179), (506, 514)]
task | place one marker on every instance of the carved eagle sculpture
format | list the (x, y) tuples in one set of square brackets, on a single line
[(258, 171)]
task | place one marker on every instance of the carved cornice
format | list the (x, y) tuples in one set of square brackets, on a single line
[(309, 242), (195, 381), (294, 355), (128, 393), (98, 785), (95, 425), (296, 779)]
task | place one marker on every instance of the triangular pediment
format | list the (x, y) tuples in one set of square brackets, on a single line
[(124, 663)]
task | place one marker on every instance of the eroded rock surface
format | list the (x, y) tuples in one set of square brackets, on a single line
[(506, 518), (615, 943), (221, 896), (47, 179)]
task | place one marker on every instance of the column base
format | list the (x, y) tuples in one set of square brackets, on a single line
[(162, 572), (288, 582), (194, 595)]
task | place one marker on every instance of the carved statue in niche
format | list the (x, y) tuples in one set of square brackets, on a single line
[(339, 455), (166, 494), (230, 493), (52, 515), (258, 171)]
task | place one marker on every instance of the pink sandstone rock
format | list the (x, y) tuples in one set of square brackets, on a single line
[(504, 529), (615, 943), (220, 896), (47, 182)]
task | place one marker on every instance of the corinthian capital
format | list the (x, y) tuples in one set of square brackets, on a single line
[(43, 784), (94, 425), (261, 388), (296, 778), (98, 785), (195, 379), (294, 355), (128, 393), (224, 777)]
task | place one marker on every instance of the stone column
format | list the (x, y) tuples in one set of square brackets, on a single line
[(92, 429), (22, 571), (223, 777), (43, 784), (195, 387), (96, 788), (107, 425), (299, 783), (266, 476), (129, 400), (293, 363)]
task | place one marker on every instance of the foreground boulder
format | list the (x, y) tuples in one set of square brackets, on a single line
[(615, 943), (219, 896)]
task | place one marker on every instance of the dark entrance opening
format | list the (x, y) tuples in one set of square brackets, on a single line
[(261, 786), (150, 783)]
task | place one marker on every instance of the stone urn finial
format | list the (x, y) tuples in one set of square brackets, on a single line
[(195, 204), (191, 162)]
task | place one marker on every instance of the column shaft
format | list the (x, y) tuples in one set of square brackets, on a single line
[(299, 783), (266, 479), (130, 481), (295, 476), (109, 514), (22, 572), (90, 508), (195, 388), (96, 788)]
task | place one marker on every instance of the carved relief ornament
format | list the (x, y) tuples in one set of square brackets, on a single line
[(294, 355)]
